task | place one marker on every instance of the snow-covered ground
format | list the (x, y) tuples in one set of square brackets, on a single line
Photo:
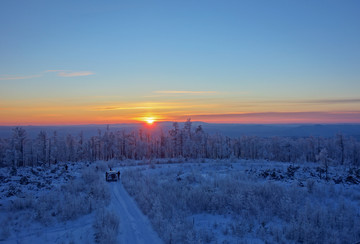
[(184, 201), (46, 204), (134, 226), (230, 201), (72, 204), (17, 182), (72, 231)]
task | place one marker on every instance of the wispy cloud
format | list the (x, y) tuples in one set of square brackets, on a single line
[(185, 92), (120, 108), (60, 73), (333, 101), (75, 74), (145, 106), (313, 101), (282, 117), (13, 77)]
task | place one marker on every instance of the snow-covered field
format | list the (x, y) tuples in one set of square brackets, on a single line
[(184, 201), (248, 202), (69, 204), (56, 204)]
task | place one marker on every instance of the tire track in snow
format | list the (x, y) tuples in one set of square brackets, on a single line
[(134, 226)]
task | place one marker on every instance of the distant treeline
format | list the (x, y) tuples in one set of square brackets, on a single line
[(186, 142)]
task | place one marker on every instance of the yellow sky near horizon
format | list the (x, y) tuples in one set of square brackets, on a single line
[(207, 106)]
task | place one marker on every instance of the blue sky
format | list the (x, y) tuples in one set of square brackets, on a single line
[(255, 56)]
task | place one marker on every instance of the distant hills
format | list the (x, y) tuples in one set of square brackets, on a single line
[(231, 130), (288, 130)]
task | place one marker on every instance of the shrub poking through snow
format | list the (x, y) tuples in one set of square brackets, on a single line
[(76, 198), (268, 211), (106, 227)]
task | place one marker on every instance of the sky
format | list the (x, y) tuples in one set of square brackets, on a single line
[(252, 61)]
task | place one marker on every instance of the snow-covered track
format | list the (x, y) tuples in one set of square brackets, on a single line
[(135, 228)]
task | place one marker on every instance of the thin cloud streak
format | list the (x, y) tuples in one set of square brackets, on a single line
[(10, 77), (282, 117), (313, 101), (185, 92), (333, 101), (120, 108), (60, 73), (75, 74), (145, 106)]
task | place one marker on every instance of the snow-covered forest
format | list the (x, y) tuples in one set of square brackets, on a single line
[(191, 187), (186, 142)]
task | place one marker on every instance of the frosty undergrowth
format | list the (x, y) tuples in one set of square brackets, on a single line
[(79, 196), (106, 227), (259, 209)]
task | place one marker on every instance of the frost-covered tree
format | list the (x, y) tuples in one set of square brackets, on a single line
[(340, 148), (70, 148), (187, 142), (41, 144), (187, 139), (3, 148), (324, 160), (176, 140), (19, 137)]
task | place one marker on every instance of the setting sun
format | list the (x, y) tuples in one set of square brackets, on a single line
[(150, 121)]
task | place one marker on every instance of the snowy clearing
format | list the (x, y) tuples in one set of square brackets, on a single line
[(184, 201), (248, 202), (76, 206), (54, 204)]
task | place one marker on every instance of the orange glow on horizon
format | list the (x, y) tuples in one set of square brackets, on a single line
[(58, 112), (251, 118)]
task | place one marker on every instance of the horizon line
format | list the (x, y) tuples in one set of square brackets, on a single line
[(170, 121)]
